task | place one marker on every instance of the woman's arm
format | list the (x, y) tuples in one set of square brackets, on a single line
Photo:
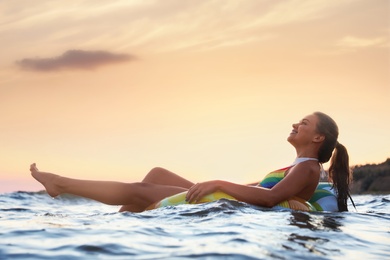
[(299, 179)]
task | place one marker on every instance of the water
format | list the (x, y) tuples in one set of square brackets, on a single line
[(34, 226)]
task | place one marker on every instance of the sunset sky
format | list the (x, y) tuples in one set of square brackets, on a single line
[(209, 89)]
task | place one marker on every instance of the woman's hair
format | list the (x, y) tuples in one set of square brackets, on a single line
[(339, 171)]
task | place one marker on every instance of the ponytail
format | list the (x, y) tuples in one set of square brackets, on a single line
[(341, 175), (339, 171)]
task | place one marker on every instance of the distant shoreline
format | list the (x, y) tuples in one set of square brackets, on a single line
[(371, 178)]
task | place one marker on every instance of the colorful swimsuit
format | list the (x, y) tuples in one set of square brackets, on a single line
[(273, 178)]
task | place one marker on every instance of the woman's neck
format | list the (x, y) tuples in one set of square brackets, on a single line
[(308, 152)]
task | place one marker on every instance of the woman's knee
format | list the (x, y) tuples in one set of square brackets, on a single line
[(155, 172), (162, 176)]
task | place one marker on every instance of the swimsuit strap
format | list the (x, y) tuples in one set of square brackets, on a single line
[(303, 159)]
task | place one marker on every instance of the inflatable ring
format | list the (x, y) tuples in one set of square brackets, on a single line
[(323, 199), (180, 198), (295, 203)]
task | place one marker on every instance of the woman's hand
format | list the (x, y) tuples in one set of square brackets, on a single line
[(196, 192)]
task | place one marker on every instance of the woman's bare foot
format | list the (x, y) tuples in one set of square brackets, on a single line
[(48, 180)]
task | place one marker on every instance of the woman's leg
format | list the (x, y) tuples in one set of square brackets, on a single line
[(141, 195), (159, 176)]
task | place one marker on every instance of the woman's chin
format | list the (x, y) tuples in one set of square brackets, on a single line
[(291, 139)]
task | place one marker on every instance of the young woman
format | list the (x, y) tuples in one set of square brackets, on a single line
[(314, 139)]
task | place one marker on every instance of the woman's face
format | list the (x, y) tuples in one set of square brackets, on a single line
[(305, 131)]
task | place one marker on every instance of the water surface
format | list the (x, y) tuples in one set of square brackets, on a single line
[(35, 226)]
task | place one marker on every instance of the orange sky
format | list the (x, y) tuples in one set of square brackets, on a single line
[(208, 89)]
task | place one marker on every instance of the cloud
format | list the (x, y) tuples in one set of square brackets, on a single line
[(74, 59), (355, 42), (158, 26)]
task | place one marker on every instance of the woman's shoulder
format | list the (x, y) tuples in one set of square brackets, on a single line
[(307, 167)]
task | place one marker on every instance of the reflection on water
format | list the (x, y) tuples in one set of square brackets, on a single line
[(313, 232), (316, 221)]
